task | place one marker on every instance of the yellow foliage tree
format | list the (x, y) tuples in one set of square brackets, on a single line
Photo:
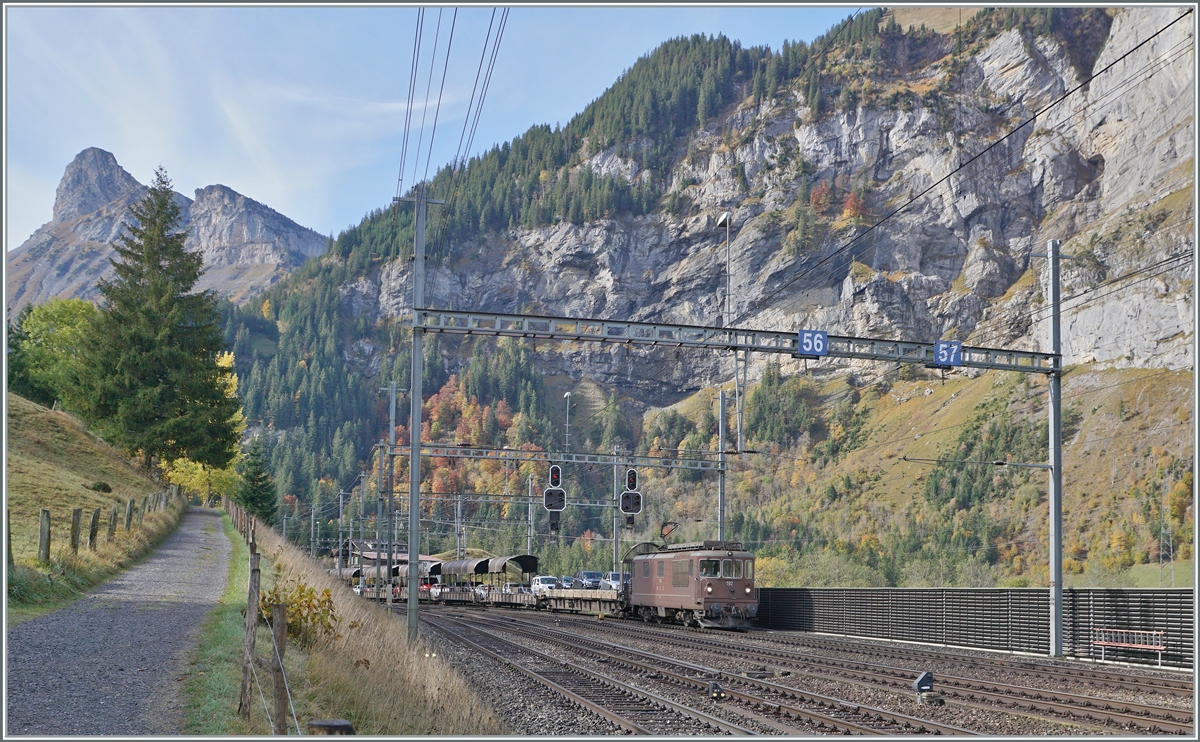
[(194, 477)]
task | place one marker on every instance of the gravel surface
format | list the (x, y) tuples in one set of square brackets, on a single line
[(108, 663), (527, 707), (547, 715)]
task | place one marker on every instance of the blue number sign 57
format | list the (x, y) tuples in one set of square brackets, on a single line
[(947, 353), (814, 343)]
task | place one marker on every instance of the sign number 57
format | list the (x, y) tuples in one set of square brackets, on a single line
[(947, 353), (814, 343)]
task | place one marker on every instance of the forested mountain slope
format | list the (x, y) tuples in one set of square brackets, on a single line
[(884, 182)]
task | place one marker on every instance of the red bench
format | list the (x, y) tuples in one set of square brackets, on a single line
[(1150, 641)]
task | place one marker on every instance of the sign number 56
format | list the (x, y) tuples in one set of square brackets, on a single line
[(814, 342)]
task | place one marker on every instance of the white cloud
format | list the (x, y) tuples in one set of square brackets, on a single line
[(303, 108)]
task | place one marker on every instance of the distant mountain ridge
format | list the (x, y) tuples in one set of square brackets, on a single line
[(247, 245)]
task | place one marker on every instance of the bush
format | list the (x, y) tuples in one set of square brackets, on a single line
[(310, 618), (100, 487)]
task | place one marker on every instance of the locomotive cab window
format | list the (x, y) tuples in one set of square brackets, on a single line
[(645, 569), (749, 569), (710, 567), (731, 568)]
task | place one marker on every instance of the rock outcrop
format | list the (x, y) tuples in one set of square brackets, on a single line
[(247, 246), (1107, 171)]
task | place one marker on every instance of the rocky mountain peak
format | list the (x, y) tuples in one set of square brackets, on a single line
[(246, 245), (92, 180)]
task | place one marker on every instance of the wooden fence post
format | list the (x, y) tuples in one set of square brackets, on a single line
[(142, 512), (76, 519), (112, 524), (128, 513), (93, 527), (8, 533), (44, 537), (244, 701), (279, 629)]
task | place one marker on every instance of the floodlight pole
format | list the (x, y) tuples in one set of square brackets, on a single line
[(739, 357), (721, 471)]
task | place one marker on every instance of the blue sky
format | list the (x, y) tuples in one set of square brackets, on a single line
[(303, 108)]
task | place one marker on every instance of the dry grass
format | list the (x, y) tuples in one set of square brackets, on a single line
[(35, 589), (52, 460), (52, 463), (942, 20), (370, 675)]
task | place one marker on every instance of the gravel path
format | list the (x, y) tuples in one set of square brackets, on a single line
[(108, 663)]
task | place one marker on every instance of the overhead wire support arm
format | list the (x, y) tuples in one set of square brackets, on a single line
[(564, 457), (717, 338)]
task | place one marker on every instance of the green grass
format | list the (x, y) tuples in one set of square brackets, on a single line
[(213, 680), (1147, 575)]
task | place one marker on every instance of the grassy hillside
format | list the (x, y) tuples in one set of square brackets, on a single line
[(53, 462), (1127, 456)]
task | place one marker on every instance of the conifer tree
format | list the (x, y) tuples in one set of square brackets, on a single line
[(256, 492), (152, 382)]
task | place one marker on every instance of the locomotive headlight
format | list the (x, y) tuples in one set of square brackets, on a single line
[(708, 588), (747, 591)]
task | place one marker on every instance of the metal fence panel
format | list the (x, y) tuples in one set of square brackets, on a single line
[(1013, 620)]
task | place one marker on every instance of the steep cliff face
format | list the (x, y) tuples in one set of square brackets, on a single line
[(246, 245), (970, 196)]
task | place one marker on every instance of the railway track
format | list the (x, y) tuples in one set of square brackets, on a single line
[(776, 706), (1101, 679), (1100, 713), (627, 706)]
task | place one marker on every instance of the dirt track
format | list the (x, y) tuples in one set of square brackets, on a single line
[(108, 663)]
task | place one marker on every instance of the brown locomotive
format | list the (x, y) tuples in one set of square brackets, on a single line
[(705, 583)]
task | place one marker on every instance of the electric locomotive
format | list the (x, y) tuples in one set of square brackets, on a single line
[(704, 583)]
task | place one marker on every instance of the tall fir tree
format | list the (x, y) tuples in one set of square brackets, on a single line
[(151, 374), (256, 492)]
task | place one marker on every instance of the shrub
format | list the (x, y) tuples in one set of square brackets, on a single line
[(101, 487), (310, 618)]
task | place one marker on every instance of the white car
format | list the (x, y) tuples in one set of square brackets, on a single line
[(542, 584), (515, 588), (610, 581)]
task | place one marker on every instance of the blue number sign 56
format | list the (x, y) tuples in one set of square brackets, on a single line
[(814, 343)]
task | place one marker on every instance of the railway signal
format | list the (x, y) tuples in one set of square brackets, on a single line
[(553, 521), (631, 503), (555, 476), (631, 499), (555, 499), (630, 521)]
